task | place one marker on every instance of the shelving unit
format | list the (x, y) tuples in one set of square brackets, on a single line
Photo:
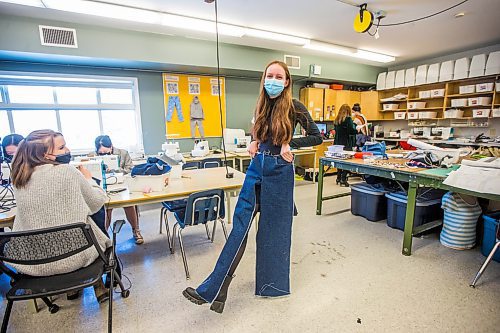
[(439, 103)]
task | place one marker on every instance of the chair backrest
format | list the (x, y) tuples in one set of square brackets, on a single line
[(211, 162), (191, 165), (46, 245), (204, 206)]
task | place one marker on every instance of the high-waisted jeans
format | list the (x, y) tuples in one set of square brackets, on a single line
[(268, 188), (174, 102)]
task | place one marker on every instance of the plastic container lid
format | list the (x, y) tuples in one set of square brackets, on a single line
[(366, 188), (422, 201)]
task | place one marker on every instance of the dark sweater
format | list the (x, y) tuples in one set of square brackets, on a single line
[(345, 133), (302, 117)]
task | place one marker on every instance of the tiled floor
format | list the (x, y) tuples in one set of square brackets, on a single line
[(348, 274)]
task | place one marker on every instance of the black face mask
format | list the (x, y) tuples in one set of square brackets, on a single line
[(102, 154), (63, 158)]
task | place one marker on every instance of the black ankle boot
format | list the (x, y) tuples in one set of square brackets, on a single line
[(220, 301), (193, 296)]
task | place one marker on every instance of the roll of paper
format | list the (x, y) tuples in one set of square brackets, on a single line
[(422, 145)]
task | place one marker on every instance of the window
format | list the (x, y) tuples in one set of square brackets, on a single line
[(80, 107)]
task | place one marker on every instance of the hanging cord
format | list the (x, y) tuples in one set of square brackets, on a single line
[(228, 174), (421, 18)]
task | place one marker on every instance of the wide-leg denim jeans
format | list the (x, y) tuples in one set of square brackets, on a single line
[(174, 102), (275, 179)]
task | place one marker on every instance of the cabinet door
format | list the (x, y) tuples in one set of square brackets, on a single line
[(343, 97), (329, 109), (312, 98), (370, 104), (354, 97)]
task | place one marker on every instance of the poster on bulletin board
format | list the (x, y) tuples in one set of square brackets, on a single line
[(192, 105)]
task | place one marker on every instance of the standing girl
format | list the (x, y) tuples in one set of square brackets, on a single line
[(345, 131), (268, 188)]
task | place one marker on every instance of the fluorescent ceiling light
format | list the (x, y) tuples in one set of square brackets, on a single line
[(351, 52), (105, 10), (190, 23), (276, 36), (378, 57), (32, 3)]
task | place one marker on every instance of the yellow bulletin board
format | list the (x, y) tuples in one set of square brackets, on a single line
[(192, 105)]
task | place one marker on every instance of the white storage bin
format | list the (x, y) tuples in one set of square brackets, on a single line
[(424, 94), (336, 148), (427, 114), (421, 76), (412, 115), (446, 71), (461, 70), (481, 113), (390, 106), (416, 105), (399, 115), (433, 73), (459, 102), (495, 113), (468, 89), (389, 80), (454, 113), (381, 81), (437, 93), (477, 65), (479, 101), (148, 183), (484, 87), (400, 79), (410, 77), (493, 64)]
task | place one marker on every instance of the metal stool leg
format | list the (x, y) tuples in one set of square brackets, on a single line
[(165, 217), (162, 214), (208, 232), (213, 230), (224, 227), (6, 317), (485, 264)]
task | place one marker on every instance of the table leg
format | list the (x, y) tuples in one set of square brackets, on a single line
[(410, 215), (314, 168), (319, 198), (228, 209), (241, 164)]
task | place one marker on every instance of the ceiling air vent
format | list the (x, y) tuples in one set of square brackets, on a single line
[(292, 62), (57, 36)]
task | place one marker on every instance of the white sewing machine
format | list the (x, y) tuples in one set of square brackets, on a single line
[(96, 168), (170, 148), (230, 137), (112, 162), (242, 144), (201, 149)]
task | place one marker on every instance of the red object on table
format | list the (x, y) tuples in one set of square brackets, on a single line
[(406, 146), (361, 154)]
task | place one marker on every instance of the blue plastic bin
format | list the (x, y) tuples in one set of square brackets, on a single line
[(368, 201), (491, 222)]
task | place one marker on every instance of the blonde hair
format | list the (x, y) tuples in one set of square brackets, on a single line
[(343, 114), (30, 154), (281, 125)]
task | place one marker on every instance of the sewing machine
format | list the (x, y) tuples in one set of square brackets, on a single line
[(96, 168), (242, 144), (201, 149), (5, 173), (112, 162), (443, 133), (230, 138)]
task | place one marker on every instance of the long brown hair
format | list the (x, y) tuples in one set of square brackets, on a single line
[(344, 112), (281, 125), (30, 154)]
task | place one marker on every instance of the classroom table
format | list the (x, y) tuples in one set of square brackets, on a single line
[(7, 218), (414, 176), (231, 157), (192, 181), (241, 157)]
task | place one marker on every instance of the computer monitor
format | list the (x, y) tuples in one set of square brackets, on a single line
[(322, 127)]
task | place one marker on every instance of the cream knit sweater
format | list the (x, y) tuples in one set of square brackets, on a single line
[(58, 195)]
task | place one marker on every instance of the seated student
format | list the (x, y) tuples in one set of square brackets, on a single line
[(104, 146), (9, 146), (361, 123), (38, 168)]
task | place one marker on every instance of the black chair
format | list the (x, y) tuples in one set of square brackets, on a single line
[(201, 208), (211, 162), (191, 165), (48, 245), (488, 259)]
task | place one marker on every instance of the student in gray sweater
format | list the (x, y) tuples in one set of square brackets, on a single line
[(50, 193)]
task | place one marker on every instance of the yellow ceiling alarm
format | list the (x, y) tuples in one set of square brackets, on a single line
[(363, 20)]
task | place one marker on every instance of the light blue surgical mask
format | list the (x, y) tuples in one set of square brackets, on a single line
[(274, 87)]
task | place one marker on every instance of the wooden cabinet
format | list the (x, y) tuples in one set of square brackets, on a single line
[(313, 99), (369, 104)]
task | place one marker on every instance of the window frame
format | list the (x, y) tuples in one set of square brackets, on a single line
[(72, 80)]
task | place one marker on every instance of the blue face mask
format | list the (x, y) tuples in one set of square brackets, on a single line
[(274, 87), (63, 158)]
